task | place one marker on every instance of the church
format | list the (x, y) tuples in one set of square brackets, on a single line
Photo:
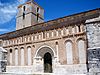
[(63, 46)]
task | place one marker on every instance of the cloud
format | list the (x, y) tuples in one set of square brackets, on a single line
[(4, 30), (8, 11), (22, 1)]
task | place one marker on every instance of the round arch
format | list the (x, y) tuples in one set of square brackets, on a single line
[(68, 40), (80, 38), (28, 47), (44, 49)]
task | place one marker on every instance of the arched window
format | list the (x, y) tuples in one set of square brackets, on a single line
[(69, 52), (23, 15), (35, 37), (57, 33), (24, 8), (37, 9), (16, 56), (52, 34), (22, 56), (82, 53), (67, 31), (62, 32), (73, 30), (47, 34), (77, 30), (29, 55), (37, 17)]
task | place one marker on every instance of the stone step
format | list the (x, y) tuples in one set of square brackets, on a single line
[(25, 74), (39, 74)]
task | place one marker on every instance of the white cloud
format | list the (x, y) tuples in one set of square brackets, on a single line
[(4, 30), (8, 11), (22, 1)]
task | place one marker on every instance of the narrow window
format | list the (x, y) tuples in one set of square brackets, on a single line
[(10, 50), (37, 9), (23, 15), (37, 17), (73, 30), (79, 29), (43, 35), (37, 13), (24, 8)]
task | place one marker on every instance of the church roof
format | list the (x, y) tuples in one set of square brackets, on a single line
[(53, 24)]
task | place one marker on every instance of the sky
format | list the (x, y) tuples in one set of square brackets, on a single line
[(53, 9)]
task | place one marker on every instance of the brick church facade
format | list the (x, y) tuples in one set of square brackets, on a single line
[(67, 45)]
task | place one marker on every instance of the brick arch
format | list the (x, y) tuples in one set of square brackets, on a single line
[(21, 47), (80, 38), (44, 49), (68, 40), (28, 47)]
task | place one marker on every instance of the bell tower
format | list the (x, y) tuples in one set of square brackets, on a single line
[(29, 13)]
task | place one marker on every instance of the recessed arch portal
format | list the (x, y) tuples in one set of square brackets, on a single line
[(46, 54)]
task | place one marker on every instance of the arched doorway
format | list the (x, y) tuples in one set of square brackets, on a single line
[(47, 63), (45, 56)]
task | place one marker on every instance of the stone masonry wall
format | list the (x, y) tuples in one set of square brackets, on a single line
[(93, 32), (93, 36)]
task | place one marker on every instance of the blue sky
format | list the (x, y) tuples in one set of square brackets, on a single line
[(53, 9)]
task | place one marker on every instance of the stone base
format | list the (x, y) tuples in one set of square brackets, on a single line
[(38, 74), (57, 69), (19, 69), (71, 69)]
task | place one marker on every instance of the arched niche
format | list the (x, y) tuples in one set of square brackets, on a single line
[(69, 52), (81, 51), (22, 56), (29, 55)]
